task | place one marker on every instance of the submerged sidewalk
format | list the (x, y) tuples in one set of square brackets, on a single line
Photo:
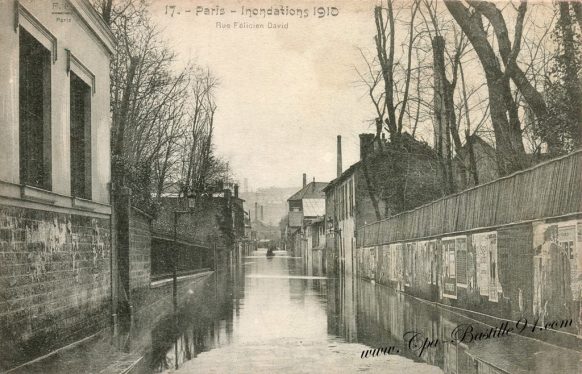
[(150, 333), (97, 354)]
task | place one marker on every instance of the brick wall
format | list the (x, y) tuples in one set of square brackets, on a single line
[(140, 242), (54, 281)]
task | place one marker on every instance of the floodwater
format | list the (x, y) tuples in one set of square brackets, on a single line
[(282, 323), (276, 315), (280, 316)]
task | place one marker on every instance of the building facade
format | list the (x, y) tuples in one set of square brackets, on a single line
[(306, 207), (55, 213)]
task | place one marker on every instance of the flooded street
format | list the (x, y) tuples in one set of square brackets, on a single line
[(275, 315), (279, 315), (281, 323)]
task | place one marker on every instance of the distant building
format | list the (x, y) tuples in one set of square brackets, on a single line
[(269, 204), (485, 160), (55, 212), (306, 206)]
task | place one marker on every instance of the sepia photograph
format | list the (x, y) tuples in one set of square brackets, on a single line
[(276, 186)]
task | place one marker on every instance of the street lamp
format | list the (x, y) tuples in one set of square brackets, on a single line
[(177, 213)]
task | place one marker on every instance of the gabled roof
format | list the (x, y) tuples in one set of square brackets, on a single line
[(313, 190), (342, 177)]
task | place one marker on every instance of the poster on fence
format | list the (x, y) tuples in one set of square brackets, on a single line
[(567, 242), (399, 267), (461, 260), (556, 269), (425, 258), (410, 260), (432, 250), (449, 268), (485, 245)]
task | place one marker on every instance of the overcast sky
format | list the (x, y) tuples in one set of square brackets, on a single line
[(285, 94)]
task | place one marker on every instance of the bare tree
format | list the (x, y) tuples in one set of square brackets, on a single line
[(503, 106), (162, 117), (385, 52)]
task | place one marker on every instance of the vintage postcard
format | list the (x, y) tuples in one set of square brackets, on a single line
[(274, 186)]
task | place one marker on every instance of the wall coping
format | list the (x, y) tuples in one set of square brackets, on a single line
[(166, 281), (575, 215), (168, 238), (541, 164)]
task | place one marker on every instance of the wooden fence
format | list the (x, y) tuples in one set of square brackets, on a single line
[(548, 190)]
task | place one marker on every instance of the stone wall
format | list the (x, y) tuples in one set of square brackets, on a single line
[(54, 281)]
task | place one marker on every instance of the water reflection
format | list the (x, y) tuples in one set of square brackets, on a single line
[(266, 315), (378, 316), (273, 315)]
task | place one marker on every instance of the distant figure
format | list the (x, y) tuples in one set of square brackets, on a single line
[(270, 252)]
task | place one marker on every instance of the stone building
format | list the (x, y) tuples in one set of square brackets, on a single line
[(55, 213)]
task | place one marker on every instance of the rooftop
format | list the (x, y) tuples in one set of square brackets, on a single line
[(313, 190)]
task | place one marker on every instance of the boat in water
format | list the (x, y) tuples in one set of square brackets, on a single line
[(270, 253)]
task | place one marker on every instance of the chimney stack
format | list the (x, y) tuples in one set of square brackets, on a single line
[(339, 155), (262, 216), (304, 179), (236, 191), (256, 211), (366, 144)]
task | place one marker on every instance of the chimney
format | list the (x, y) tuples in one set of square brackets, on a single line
[(304, 179), (236, 191), (339, 155), (256, 211), (262, 217), (366, 144)]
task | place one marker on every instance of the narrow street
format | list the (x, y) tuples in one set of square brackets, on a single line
[(282, 321), (278, 319), (275, 315)]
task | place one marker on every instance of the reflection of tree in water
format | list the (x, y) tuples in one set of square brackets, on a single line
[(176, 340)]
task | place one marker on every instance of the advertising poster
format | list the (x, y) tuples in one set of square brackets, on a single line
[(485, 245), (461, 261), (449, 268)]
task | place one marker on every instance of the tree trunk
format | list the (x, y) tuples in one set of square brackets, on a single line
[(472, 160), (444, 110), (120, 121), (508, 135)]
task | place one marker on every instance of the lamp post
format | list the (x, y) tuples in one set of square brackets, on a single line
[(177, 213)]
